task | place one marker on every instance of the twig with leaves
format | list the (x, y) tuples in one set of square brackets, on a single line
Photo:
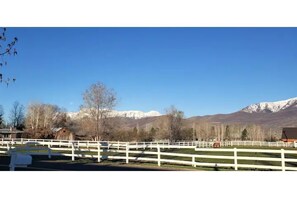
[(6, 49)]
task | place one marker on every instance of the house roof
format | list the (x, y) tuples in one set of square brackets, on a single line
[(55, 130), (8, 131), (289, 133)]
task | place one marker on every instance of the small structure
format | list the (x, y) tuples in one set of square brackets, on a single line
[(63, 133), (289, 134), (216, 144), (10, 133)]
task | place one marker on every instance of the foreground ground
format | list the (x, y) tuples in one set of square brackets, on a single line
[(42, 163)]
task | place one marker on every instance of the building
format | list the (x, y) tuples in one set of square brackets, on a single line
[(289, 134), (63, 133), (10, 133)]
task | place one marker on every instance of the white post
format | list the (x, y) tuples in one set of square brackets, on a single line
[(49, 151), (118, 145), (98, 150), (235, 159), (21, 140), (88, 144), (193, 161), (283, 160), (127, 153), (159, 156), (72, 151), (8, 148)]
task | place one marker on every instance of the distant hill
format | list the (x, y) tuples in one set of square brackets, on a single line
[(273, 115), (125, 114), (267, 114)]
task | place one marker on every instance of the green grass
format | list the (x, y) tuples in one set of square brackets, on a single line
[(190, 151)]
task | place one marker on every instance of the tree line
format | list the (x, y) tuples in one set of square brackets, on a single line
[(97, 124)]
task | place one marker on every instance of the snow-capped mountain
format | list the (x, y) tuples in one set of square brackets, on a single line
[(265, 107), (273, 115), (127, 114)]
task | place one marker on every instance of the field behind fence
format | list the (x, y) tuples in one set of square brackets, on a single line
[(195, 154)]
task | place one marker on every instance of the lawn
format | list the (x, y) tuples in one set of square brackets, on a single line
[(188, 159)]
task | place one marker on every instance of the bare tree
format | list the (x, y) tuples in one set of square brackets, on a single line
[(43, 116), (17, 117), (1, 116), (34, 112), (175, 123), (7, 48), (99, 101), (50, 113)]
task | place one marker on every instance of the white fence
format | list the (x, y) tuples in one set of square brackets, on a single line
[(183, 144), (235, 158)]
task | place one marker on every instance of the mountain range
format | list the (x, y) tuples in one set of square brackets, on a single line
[(114, 113), (266, 114)]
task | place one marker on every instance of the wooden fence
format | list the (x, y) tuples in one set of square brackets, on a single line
[(184, 144), (234, 158)]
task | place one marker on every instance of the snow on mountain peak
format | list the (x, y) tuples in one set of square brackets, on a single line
[(114, 113), (271, 106)]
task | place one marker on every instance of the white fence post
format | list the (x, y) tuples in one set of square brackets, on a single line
[(283, 160), (159, 156), (235, 159), (98, 152), (118, 145), (193, 161), (127, 153), (72, 151), (8, 148), (49, 151)]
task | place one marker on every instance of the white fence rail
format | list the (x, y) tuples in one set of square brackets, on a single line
[(235, 158), (192, 144)]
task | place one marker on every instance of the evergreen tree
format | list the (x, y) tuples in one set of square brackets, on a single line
[(244, 134)]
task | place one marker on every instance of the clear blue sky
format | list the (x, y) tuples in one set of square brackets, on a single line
[(199, 70)]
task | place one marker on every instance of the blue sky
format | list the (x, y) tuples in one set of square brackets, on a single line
[(199, 70)]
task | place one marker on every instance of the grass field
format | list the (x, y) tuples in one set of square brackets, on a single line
[(189, 159)]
